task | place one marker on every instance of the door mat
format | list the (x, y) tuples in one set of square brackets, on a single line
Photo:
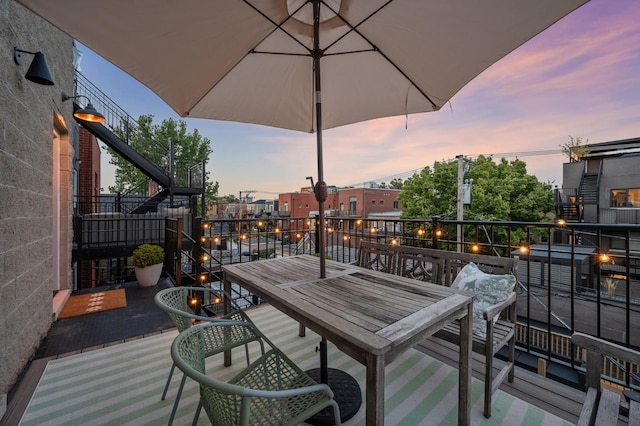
[(94, 302)]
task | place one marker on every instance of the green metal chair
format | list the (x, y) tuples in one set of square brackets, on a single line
[(175, 302), (271, 391)]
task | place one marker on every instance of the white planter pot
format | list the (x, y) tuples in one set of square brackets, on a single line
[(149, 275)]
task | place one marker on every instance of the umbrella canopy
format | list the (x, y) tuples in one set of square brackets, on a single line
[(303, 65), (251, 61)]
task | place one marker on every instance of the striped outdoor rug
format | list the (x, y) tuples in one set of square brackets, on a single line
[(122, 384)]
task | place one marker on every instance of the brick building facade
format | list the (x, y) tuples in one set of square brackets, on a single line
[(359, 202), (89, 172)]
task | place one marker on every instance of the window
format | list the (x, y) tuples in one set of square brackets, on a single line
[(382, 202), (625, 197), (373, 202), (396, 205)]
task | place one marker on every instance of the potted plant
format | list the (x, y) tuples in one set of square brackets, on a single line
[(148, 260)]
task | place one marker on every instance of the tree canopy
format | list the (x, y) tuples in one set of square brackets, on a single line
[(575, 148), (501, 190), (152, 141)]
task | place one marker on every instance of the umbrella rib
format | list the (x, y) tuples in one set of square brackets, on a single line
[(278, 27), (354, 28)]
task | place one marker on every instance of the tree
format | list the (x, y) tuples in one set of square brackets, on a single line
[(499, 191), (574, 148), (153, 142), (396, 183)]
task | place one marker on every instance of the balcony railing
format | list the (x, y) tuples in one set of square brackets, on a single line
[(573, 277), (577, 277)]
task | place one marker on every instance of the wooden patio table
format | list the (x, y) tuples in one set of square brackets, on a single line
[(371, 316)]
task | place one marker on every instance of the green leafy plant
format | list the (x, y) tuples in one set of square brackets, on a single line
[(147, 255)]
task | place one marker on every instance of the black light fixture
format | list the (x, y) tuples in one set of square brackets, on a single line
[(88, 113), (38, 71)]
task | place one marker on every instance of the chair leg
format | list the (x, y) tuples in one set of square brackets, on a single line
[(336, 413), (197, 415), (488, 370), (512, 356), (488, 375), (175, 403), (166, 386), (246, 351)]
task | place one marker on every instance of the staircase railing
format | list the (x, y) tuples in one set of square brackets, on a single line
[(126, 127)]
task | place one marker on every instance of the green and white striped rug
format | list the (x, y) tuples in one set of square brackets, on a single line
[(122, 384)]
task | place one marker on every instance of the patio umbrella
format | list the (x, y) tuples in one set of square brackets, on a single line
[(304, 65)]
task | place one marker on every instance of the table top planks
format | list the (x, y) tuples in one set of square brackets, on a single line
[(369, 315), (369, 310)]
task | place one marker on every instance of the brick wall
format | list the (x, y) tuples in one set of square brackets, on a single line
[(89, 173)]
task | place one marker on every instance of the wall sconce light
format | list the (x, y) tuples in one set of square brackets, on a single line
[(38, 71), (87, 113)]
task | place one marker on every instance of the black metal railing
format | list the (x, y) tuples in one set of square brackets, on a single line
[(125, 127), (574, 277)]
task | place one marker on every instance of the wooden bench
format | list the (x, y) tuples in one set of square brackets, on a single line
[(603, 406), (441, 267), (377, 256)]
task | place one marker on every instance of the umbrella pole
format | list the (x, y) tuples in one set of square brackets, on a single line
[(346, 389), (321, 187)]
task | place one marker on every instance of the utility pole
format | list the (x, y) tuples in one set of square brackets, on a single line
[(460, 204), (464, 197)]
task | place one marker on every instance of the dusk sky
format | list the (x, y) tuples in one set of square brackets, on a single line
[(580, 77)]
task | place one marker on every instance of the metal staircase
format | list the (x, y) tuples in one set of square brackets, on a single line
[(118, 122), (589, 189), (571, 206)]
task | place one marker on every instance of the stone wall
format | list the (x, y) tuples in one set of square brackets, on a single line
[(32, 121)]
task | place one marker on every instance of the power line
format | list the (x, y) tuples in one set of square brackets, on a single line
[(409, 173), (520, 154)]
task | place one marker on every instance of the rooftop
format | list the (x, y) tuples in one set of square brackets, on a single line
[(83, 373)]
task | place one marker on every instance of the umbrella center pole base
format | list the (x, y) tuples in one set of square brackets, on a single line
[(346, 392)]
